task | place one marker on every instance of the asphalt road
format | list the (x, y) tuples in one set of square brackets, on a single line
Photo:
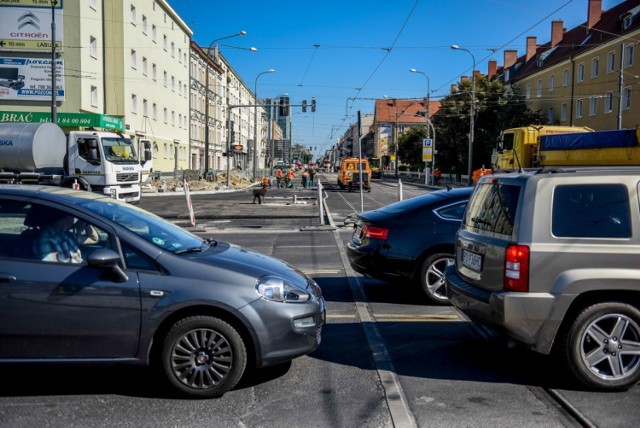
[(388, 357)]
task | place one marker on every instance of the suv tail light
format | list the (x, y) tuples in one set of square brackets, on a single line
[(516, 268), (375, 232)]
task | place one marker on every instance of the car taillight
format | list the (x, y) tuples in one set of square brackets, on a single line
[(516, 268), (375, 232)]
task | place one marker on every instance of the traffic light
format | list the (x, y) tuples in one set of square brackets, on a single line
[(284, 106), (313, 105), (304, 106)]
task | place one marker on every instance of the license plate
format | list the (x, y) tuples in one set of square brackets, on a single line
[(130, 199), (472, 260)]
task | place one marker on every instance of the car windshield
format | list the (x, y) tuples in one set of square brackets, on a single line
[(148, 226)]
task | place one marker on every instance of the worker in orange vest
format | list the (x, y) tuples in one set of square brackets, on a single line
[(278, 178), (289, 178)]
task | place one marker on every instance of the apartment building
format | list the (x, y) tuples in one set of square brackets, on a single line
[(122, 64), (585, 76)]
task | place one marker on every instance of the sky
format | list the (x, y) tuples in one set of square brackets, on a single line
[(347, 53)]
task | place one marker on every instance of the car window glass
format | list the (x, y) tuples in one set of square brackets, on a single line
[(148, 226), (492, 207), (452, 212), (134, 259), (591, 211), (37, 232)]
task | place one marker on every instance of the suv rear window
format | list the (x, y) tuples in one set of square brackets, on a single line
[(591, 211), (493, 207)]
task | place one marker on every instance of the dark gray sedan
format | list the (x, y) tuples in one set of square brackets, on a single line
[(139, 290)]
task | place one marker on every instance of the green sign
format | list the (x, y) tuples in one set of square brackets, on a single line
[(64, 119)]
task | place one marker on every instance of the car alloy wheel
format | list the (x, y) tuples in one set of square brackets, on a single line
[(603, 346), (432, 277), (203, 356)]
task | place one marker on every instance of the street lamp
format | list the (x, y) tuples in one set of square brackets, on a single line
[(255, 120), (471, 111), (413, 70), (54, 89), (213, 46)]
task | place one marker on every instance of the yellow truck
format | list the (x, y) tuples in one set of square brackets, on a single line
[(537, 146)]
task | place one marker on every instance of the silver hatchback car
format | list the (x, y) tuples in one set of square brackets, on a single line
[(552, 259)]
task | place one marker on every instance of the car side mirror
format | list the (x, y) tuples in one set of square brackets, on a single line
[(108, 260)]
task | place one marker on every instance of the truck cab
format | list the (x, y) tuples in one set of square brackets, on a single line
[(349, 174)]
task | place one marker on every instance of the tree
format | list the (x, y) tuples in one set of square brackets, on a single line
[(410, 144), (497, 107)]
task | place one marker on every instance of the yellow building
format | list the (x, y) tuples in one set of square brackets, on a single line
[(586, 76)]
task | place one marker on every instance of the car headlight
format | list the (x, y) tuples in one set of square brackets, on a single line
[(280, 290)]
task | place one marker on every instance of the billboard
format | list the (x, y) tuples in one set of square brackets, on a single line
[(29, 79), (26, 26)]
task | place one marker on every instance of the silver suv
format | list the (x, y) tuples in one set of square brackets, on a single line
[(552, 258)]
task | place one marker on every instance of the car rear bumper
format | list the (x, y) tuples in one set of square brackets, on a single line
[(525, 317), (368, 261)]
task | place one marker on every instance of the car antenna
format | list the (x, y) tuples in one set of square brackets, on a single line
[(515, 155)]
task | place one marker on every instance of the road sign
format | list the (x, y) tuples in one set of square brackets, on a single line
[(427, 154), (427, 142), (31, 45)]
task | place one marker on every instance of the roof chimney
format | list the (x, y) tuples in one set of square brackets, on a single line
[(510, 58), (557, 32), (493, 66), (532, 46), (594, 13)]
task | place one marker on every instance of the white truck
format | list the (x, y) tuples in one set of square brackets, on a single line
[(100, 161)]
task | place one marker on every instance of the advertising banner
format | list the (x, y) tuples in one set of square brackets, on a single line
[(93, 120), (29, 79), (28, 29)]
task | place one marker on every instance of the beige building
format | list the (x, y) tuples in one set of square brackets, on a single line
[(586, 76), (125, 65)]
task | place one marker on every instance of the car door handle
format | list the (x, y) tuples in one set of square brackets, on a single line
[(5, 277)]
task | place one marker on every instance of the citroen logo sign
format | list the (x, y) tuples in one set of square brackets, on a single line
[(29, 19)]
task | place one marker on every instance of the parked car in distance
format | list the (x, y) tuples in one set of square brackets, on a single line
[(550, 257), (410, 241), (143, 291)]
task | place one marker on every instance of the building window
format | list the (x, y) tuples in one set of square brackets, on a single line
[(166, 78), (550, 115), (565, 77), (145, 108), (564, 112), (93, 47), (133, 15), (173, 83), (580, 76), (165, 42), (154, 72), (173, 118), (144, 25), (173, 50), (93, 4), (552, 82), (180, 55), (154, 111), (578, 109), (595, 67), (154, 33), (611, 62), (133, 59), (608, 102), (134, 104), (94, 96), (626, 98), (628, 56), (593, 106), (527, 91), (166, 115), (539, 88), (144, 66)]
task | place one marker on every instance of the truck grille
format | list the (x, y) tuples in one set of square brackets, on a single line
[(127, 176)]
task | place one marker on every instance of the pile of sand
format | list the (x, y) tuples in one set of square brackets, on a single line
[(219, 183)]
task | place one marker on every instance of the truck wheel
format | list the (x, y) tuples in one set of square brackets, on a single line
[(203, 356), (601, 346)]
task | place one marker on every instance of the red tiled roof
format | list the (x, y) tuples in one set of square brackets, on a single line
[(407, 110)]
